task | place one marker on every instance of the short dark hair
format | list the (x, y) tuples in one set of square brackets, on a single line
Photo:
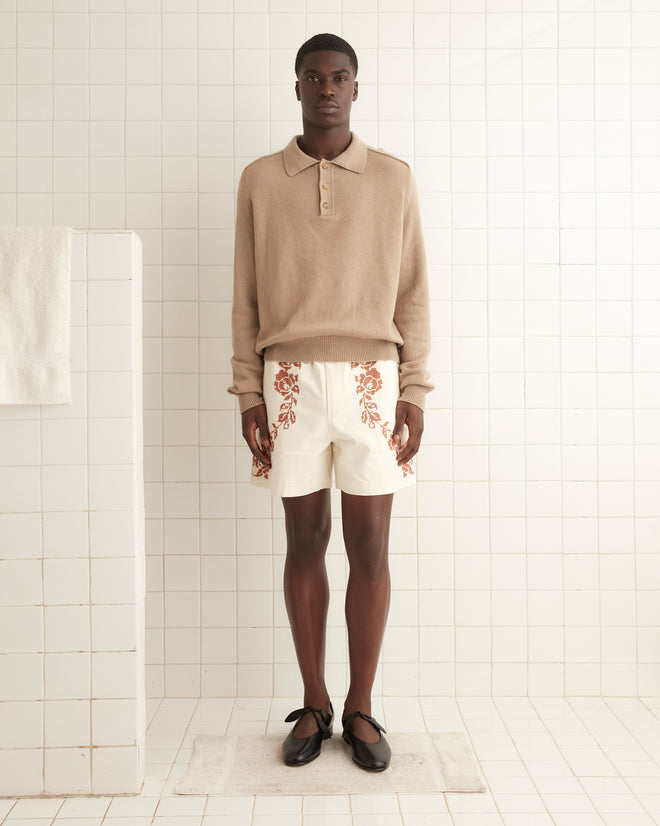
[(326, 43)]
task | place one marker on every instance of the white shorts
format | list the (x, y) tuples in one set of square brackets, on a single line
[(332, 415)]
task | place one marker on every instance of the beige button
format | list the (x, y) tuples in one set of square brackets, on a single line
[(324, 166), (325, 206), (326, 186)]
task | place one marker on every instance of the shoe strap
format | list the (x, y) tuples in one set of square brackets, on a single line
[(374, 723), (319, 715)]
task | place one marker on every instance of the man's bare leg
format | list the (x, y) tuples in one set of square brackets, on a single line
[(306, 595), (366, 526)]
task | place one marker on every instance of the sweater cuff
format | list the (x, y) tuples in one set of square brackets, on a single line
[(248, 400), (414, 394)]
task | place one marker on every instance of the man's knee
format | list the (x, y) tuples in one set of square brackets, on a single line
[(307, 540), (367, 555)]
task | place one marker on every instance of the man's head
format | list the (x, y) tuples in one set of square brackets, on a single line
[(326, 43), (326, 67)]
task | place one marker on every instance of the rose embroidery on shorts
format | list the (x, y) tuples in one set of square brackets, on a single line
[(286, 384), (369, 382)]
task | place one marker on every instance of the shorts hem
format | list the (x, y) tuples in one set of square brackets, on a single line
[(378, 490), (304, 490), (287, 489)]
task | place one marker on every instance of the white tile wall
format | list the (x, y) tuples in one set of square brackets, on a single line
[(527, 560), (72, 704)]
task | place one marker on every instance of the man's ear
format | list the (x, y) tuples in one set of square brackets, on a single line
[(297, 88), (355, 90)]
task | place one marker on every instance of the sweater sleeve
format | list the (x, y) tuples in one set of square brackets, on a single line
[(247, 364), (412, 311)]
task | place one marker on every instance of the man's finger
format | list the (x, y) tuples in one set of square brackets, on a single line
[(399, 422), (414, 420), (409, 449), (262, 426), (255, 433)]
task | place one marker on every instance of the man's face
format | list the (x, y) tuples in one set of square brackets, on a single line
[(326, 87)]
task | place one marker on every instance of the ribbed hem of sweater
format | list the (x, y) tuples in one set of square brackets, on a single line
[(248, 400), (332, 348), (415, 394), (335, 348)]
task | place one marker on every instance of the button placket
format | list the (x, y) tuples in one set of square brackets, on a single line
[(325, 189)]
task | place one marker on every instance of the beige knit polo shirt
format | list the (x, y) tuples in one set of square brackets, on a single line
[(329, 265)]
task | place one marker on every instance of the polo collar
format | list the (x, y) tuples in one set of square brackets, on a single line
[(353, 158)]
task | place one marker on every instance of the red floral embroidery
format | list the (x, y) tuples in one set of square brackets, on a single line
[(369, 383), (286, 384)]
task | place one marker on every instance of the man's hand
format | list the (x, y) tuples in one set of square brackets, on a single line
[(254, 419), (412, 416)]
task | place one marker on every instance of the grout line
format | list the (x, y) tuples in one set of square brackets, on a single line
[(559, 748), (489, 468), (163, 521), (16, 116), (600, 747), (236, 408), (468, 734), (43, 606), (452, 412), (178, 751), (521, 758), (89, 120), (89, 525), (417, 513), (41, 429), (654, 711), (523, 279), (52, 117), (595, 319), (632, 378), (562, 461), (625, 725), (200, 544)]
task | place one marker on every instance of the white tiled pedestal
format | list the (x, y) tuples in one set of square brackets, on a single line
[(72, 712)]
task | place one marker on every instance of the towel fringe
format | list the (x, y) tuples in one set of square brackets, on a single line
[(31, 358)]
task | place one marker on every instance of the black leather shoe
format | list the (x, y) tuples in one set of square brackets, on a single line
[(300, 750), (374, 757)]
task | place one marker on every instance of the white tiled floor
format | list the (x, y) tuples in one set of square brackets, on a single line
[(573, 761)]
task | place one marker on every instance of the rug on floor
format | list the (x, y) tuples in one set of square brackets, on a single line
[(249, 764)]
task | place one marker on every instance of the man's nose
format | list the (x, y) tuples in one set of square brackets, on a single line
[(326, 88)]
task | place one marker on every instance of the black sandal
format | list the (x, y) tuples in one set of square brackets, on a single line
[(300, 750), (374, 757)]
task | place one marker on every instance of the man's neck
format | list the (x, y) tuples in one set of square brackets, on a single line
[(324, 143)]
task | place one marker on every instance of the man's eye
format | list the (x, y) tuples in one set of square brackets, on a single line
[(342, 78), (309, 77)]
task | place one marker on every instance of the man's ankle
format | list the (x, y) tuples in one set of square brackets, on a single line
[(318, 700), (351, 706)]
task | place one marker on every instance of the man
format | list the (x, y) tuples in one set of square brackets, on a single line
[(331, 336)]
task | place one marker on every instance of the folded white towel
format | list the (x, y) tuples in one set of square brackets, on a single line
[(35, 286)]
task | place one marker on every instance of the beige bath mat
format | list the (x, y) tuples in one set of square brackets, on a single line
[(250, 764)]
